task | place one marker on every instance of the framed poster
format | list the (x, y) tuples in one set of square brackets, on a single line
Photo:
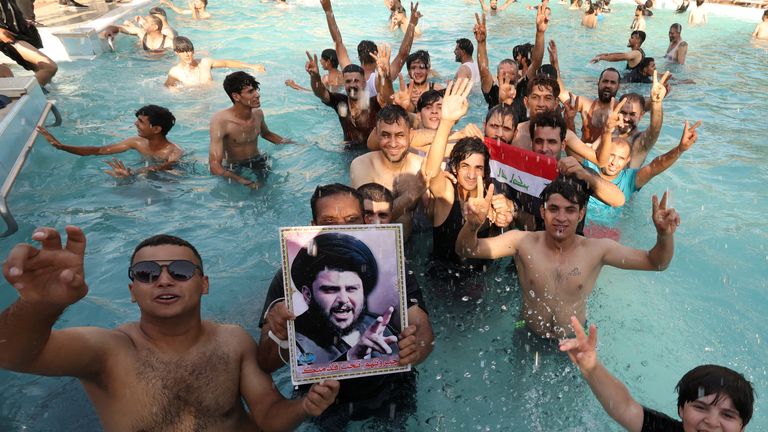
[(346, 286)]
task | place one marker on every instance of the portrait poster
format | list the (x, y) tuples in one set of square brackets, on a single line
[(346, 286)]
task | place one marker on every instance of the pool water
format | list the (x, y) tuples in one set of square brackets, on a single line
[(706, 308)]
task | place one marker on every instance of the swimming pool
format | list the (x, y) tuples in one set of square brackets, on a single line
[(654, 326)]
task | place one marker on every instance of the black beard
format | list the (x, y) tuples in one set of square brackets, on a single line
[(316, 315), (603, 98)]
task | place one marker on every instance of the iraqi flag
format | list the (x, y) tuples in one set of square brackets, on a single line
[(523, 170)]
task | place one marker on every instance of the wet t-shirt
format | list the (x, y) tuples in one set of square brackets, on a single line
[(356, 130), (654, 421), (518, 105)]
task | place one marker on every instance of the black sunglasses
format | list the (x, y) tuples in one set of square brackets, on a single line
[(149, 271)]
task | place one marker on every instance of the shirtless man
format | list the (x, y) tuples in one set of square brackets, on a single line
[(493, 6), (678, 48), (594, 111), (197, 8), (192, 72), (632, 57), (235, 133), (150, 34), (169, 371), (367, 50), (355, 109), (556, 266), (698, 15), (761, 31), (152, 125), (333, 80), (589, 20), (419, 70), (167, 29)]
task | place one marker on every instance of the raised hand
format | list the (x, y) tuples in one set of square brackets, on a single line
[(480, 29), (659, 87), (470, 130), (320, 396), (507, 91), (571, 166), (689, 136), (382, 55), (119, 170), (666, 220), (582, 350), (415, 14), (50, 275), (503, 213), (311, 66), (569, 109), (477, 208), (614, 118), (455, 100), (373, 338), (542, 22), (403, 97), (552, 50)]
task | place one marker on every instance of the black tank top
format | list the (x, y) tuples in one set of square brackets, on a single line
[(444, 237)]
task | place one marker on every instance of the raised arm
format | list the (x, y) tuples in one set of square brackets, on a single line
[(616, 57), (505, 5), (604, 190), (316, 82), (405, 46), (647, 139), (341, 50), (661, 163), (609, 391), (486, 78), (48, 280), (483, 6), (658, 258), (384, 89), (120, 147), (175, 8), (537, 55)]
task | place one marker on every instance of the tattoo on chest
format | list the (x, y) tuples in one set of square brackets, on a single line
[(574, 272)]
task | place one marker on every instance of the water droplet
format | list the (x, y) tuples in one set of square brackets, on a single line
[(465, 298), (467, 375)]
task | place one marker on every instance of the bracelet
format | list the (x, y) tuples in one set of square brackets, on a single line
[(282, 343)]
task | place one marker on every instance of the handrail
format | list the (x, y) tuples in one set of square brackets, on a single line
[(5, 212)]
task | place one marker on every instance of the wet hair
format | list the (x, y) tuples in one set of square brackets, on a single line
[(504, 111), (506, 61), (376, 193), (543, 81), (421, 56), (158, 116), (645, 62), (166, 239), (392, 114), (570, 188), (640, 34), (353, 68), (237, 81), (330, 55), (428, 98), (335, 251), (592, 10), (465, 45), (551, 119), (182, 44), (610, 69), (710, 379), (523, 50), (332, 189), (679, 28), (634, 97), (465, 148), (365, 49), (157, 21), (158, 11), (547, 70)]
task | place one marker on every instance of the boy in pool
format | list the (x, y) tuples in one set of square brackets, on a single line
[(710, 397), (169, 371), (152, 125), (556, 266), (191, 71), (235, 133)]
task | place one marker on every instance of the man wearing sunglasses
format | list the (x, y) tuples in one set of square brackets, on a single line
[(169, 371)]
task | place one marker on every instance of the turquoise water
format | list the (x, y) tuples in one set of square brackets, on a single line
[(706, 308)]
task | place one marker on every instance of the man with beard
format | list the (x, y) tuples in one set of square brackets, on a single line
[(468, 69), (336, 274), (235, 133), (152, 125), (193, 72), (419, 69), (493, 6), (356, 111), (678, 48), (633, 57), (391, 397), (594, 111)]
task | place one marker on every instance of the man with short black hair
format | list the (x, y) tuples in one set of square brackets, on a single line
[(235, 133), (594, 111), (191, 71), (468, 69), (169, 369), (377, 203), (152, 125), (150, 33), (632, 57)]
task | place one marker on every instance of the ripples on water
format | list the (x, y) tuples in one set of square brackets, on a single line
[(707, 307)]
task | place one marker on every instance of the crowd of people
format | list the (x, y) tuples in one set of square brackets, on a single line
[(528, 183)]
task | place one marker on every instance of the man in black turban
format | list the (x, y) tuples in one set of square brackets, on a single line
[(335, 273)]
